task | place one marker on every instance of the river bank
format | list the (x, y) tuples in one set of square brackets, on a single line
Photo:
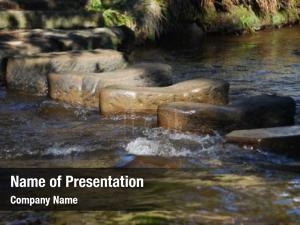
[(152, 18)]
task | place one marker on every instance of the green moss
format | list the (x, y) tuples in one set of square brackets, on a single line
[(246, 18), (237, 19), (278, 18), (284, 17)]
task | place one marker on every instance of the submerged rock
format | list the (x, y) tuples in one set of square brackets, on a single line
[(285, 140), (84, 89), (125, 99), (29, 74), (246, 113), (150, 162)]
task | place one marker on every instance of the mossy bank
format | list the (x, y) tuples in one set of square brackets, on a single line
[(152, 18)]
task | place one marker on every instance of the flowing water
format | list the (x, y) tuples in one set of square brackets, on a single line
[(236, 185)]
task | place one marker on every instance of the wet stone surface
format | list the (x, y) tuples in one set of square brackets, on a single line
[(29, 74), (84, 88), (245, 113), (120, 99)]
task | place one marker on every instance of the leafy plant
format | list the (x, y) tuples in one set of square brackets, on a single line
[(116, 18), (95, 5)]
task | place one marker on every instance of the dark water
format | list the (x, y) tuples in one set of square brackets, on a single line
[(237, 185)]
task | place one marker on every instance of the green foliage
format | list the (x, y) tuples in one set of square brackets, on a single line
[(95, 5), (111, 17), (116, 18)]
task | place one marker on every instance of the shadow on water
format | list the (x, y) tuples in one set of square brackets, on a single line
[(235, 185)]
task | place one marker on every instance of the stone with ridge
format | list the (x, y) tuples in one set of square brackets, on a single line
[(285, 140), (29, 74), (246, 113), (125, 99), (84, 89)]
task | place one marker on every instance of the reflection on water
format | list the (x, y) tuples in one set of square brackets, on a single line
[(236, 186)]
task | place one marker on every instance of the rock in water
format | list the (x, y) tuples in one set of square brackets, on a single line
[(125, 99), (29, 42), (197, 117), (285, 140), (29, 74), (246, 113), (46, 19), (266, 111), (84, 89)]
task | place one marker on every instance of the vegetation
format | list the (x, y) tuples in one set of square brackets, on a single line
[(150, 18)]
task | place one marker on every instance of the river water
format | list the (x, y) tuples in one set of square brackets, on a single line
[(237, 185)]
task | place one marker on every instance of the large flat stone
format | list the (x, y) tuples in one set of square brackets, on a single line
[(84, 89), (67, 19), (29, 74), (285, 140), (246, 113), (125, 99), (28, 42)]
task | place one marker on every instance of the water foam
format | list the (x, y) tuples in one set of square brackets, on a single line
[(64, 151), (160, 142)]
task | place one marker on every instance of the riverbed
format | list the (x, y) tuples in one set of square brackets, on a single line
[(236, 185)]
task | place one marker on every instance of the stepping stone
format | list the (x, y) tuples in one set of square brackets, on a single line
[(246, 113), (125, 99), (29, 74), (28, 42), (42, 4), (67, 19), (285, 140), (63, 40), (6, 4), (84, 89), (12, 50)]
